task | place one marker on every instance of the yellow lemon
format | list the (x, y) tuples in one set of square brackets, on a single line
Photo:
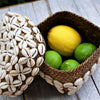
[(63, 39)]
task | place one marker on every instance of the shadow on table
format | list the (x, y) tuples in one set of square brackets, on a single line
[(40, 90)]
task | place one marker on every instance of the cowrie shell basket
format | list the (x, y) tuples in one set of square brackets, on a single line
[(71, 81), (22, 50)]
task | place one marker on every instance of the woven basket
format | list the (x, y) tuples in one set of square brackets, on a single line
[(70, 81)]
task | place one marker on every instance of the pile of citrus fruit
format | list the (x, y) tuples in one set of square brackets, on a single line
[(66, 41)]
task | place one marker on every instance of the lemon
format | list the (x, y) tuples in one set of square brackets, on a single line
[(83, 51), (69, 64), (53, 59), (63, 39)]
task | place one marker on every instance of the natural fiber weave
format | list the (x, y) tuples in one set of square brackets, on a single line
[(88, 31)]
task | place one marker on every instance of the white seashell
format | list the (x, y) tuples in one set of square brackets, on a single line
[(33, 52), (35, 71), (3, 85), (8, 67), (2, 64), (1, 25), (14, 59), (25, 52), (22, 60), (21, 77), (35, 30), (2, 73), (86, 76), (27, 70), (1, 58), (48, 79), (10, 35), (21, 19), (17, 83), (13, 20), (13, 43), (6, 93), (99, 60), (8, 27), (93, 68), (8, 45), (24, 87), (28, 37), (73, 88), (5, 19), (11, 88), (71, 92), (5, 35), (41, 74), (13, 26), (39, 61), (18, 93), (31, 43), (16, 24), (39, 37), (22, 44), (78, 87), (26, 18), (30, 62), (17, 31), (16, 50), (22, 24), (19, 67), (67, 85), (10, 13), (31, 23), (79, 81), (61, 91), (9, 79), (10, 53), (26, 30), (14, 72), (41, 49), (58, 85), (29, 80), (18, 38), (3, 29)]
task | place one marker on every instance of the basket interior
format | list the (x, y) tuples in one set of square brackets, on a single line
[(89, 33)]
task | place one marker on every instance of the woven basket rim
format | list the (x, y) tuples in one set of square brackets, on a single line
[(60, 12), (62, 71)]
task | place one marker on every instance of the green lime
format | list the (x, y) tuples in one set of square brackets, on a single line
[(69, 64), (53, 59), (83, 51)]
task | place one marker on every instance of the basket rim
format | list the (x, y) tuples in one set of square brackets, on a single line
[(62, 71), (60, 12)]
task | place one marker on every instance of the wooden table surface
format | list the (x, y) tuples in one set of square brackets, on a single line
[(39, 10)]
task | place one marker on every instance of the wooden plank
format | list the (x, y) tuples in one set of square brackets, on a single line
[(25, 10), (41, 10), (41, 90), (92, 12), (96, 4), (81, 11), (2, 11), (10, 98), (89, 11), (63, 5), (88, 91)]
